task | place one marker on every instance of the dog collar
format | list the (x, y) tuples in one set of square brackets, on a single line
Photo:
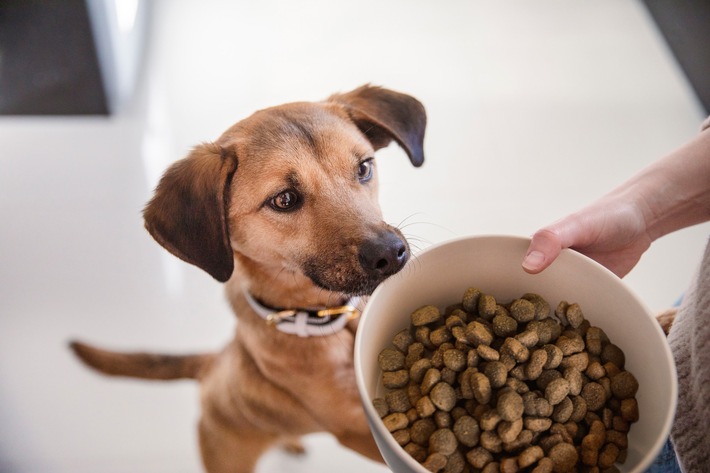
[(306, 322)]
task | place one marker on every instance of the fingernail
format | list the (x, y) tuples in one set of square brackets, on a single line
[(533, 260)]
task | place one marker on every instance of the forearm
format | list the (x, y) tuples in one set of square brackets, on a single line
[(674, 192)]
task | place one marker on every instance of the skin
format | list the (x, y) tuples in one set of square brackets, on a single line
[(670, 194)]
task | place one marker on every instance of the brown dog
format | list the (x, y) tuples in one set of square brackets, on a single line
[(282, 208)]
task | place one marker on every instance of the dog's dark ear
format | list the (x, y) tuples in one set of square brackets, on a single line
[(188, 213), (384, 115)]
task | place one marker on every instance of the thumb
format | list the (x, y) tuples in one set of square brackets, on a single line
[(544, 248)]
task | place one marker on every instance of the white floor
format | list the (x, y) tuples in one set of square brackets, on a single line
[(535, 108)]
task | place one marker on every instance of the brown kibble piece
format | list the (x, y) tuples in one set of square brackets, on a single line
[(421, 430), (454, 359), (391, 359), (395, 421), (435, 462), (504, 326), (442, 441), (612, 353), (470, 300), (425, 315), (545, 465), (395, 379), (510, 406), (443, 397), (481, 387), (594, 395), (487, 306), (556, 391), (478, 334), (624, 385), (497, 374), (574, 315), (467, 431), (479, 457), (522, 310), (629, 410), (530, 456), (564, 456)]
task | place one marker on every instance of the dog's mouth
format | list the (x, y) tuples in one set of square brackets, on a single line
[(359, 272)]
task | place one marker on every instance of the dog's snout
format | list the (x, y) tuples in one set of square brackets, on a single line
[(384, 255)]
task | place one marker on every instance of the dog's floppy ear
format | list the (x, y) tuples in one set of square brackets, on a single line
[(384, 115), (188, 213)]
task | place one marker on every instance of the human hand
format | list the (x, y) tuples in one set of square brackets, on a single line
[(610, 231)]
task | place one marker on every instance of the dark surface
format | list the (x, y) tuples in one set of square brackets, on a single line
[(49, 64)]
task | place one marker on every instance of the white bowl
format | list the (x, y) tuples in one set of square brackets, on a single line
[(440, 275)]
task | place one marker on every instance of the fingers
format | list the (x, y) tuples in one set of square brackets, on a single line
[(543, 250)]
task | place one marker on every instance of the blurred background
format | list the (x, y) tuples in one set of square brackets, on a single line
[(535, 109)]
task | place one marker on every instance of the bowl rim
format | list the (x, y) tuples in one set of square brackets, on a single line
[(415, 466)]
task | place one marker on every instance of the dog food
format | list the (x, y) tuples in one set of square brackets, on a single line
[(485, 386)]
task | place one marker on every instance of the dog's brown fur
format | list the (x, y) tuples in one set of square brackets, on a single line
[(215, 209)]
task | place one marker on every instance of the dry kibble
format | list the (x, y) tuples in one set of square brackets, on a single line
[(435, 462), (574, 315), (530, 456), (509, 431), (556, 391), (421, 431), (629, 410), (395, 379), (391, 359), (624, 385), (395, 421), (443, 396), (440, 336), (538, 359), (594, 395), (431, 378), (398, 400), (563, 411), (554, 356), (470, 300), (481, 387), (425, 315), (499, 387), (416, 451), (522, 310), (479, 457), (612, 353), (425, 407), (454, 359), (487, 353), (467, 431), (443, 441), (510, 405), (529, 338), (516, 349), (564, 457), (487, 306), (478, 334), (504, 325), (496, 373)]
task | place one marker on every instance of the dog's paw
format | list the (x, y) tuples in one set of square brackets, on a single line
[(666, 319)]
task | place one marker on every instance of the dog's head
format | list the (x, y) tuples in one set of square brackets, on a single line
[(293, 189)]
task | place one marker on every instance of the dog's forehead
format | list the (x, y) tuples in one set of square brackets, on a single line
[(315, 128)]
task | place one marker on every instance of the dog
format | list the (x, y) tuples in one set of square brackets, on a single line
[(283, 209)]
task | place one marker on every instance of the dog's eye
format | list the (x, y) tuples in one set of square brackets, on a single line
[(364, 170), (285, 201)]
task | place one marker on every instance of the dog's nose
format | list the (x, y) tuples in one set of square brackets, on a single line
[(384, 255)]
